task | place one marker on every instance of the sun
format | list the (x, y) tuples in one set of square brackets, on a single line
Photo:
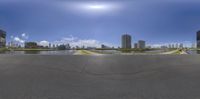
[(96, 7)]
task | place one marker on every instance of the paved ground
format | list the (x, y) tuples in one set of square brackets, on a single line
[(99, 77)]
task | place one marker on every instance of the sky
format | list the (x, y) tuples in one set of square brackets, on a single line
[(96, 22)]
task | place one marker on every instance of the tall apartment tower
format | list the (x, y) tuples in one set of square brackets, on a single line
[(2, 38), (198, 39), (141, 44), (136, 45), (126, 41)]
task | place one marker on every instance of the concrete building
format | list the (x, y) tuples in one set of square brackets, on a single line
[(163, 47), (170, 46), (126, 41), (194, 45), (198, 39), (135, 45), (148, 46), (31, 45), (53, 46), (173, 46), (50, 45), (141, 44), (177, 45), (105, 47), (2, 38), (181, 45), (68, 47)]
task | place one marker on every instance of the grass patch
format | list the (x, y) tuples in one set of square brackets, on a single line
[(135, 50), (177, 52), (3, 49), (85, 52)]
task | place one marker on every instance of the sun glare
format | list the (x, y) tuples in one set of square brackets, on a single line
[(96, 7)]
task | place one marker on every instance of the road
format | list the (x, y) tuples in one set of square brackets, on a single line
[(99, 77)]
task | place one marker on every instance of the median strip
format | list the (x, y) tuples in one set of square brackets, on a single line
[(86, 52)]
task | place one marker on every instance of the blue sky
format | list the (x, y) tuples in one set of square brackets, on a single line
[(100, 21)]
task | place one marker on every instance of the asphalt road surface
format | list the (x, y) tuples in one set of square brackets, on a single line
[(99, 77)]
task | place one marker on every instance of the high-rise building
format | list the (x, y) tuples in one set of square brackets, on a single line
[(141, 44), (135, 45), (68, 47), (177, 45), (193, 45), (53, 46), (50, 45), (198, 39), (170, 46), (181, 45), (173, 46), (104, 46), (163, 47), (2, 38), (126, 41)]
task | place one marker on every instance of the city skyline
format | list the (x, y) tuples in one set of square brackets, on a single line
[(75, 42), (101, 22), (126, 42)]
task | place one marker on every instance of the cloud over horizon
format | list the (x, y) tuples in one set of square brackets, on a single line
[(20, 39), (75, 41)]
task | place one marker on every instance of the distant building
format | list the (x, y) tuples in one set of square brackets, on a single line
[(2, 38), (177, 45), (181, 45), (61, 47), (170, 46), (104, 46), (77, 47), (194, 45), (126, 41), (90, 48), (12, 44), (54, 46), (141, 44), (163, 47), (83, 47), (50, 45), (135, 45), (173, 46), (198, 39), (148, 47), (68, 47), (31, 45)]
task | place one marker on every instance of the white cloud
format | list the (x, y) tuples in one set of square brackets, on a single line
[(43, 43), (185, 43), (24, 36), (87, 43), (70, 38), (74, 41), (17, 39)]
